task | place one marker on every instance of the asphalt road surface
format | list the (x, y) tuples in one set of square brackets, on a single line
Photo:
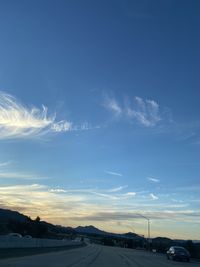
[(96, 256)]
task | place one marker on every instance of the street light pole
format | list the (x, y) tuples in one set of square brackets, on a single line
[(148, 233), (148, 227)]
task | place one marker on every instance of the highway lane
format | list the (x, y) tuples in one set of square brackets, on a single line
[(95, 256)]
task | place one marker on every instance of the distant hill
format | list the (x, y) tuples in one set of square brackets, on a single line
[(132, 236), (13, 221), (90, 230), (162, 239), (7, 215)]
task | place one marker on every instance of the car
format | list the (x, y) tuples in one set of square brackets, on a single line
[(14, 235), (178, 253)]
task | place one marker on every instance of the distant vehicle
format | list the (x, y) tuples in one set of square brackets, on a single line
[(14, 235), (77, 239), (28, 236), (178, 253)]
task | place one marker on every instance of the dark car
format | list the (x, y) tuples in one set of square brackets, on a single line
[(178, 253)]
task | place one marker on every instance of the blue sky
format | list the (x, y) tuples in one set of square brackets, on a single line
[(99, 113)]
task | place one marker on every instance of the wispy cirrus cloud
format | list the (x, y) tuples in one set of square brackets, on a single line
[(153, 179), (143, 111), (112, 105), (20, 121), (154, 197), (170, 215), (57, 190), (114, 173), (36, 199), (21, 175), (117, 189), (8, 172), (112, 194), (5, 164), (85, 126), (129, 195), (79, 206)]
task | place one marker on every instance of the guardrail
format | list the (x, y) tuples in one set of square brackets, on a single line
[(22, 242)]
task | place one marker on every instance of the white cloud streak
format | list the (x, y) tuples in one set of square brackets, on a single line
[(57, 190), (21, 188), (8, 172), (85, 126), (130, 194), (4, 164), (153, 196), (20, 121), (144, 111), (117, 189), (152, 179), (21, 175), (114, 173), (102, 194), (111, 104), (86, 206)]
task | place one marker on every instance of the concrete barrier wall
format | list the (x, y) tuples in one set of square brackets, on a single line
[(17, 242)]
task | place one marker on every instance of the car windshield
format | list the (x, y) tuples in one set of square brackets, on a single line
[(180, 250)]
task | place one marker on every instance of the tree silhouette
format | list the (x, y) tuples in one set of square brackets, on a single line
[(37, 219)]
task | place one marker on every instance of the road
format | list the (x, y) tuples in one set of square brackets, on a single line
[(95, 256)]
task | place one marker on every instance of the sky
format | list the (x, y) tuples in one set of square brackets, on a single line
[(99, 113)]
